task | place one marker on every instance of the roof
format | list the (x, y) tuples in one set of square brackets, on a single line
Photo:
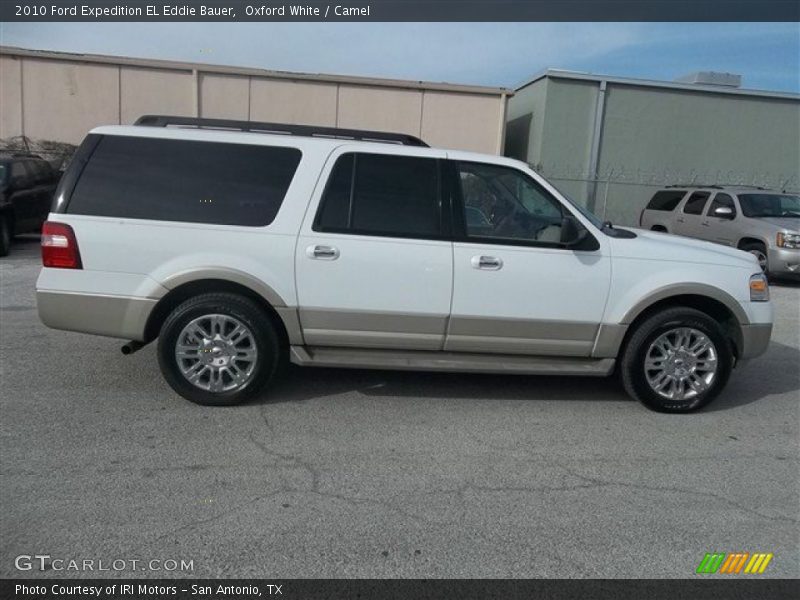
[(253, 72), (653, 83), (736, 188), (325, 144)]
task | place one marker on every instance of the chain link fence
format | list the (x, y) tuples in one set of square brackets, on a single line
[(58, 154), (619, 194)]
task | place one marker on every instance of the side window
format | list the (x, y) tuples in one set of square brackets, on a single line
[(36, 171), (381, 194), (44, 170), (695, 203), (18, 173), (505, 204), (181, 180), (721, 201), (666, 200)]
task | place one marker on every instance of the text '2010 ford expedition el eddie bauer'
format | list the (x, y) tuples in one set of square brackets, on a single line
[(240, 245)]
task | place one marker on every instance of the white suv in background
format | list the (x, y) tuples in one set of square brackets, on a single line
[(763, 222), (240, 245)]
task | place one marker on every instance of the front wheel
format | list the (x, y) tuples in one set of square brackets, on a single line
[(677, 360), (218, 349), (760, 252)]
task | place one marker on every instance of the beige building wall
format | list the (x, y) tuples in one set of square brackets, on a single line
[(462, 121), (67, 98), (60, 97), (380, 109), (224, 96), (10, 97), (294, 102), (148, 91)]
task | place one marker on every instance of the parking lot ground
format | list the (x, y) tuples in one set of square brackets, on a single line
[(342, 473)]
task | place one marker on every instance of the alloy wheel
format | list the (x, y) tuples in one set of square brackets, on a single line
[(216, 353), (681, 363)]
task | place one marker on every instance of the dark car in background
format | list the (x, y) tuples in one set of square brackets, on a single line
[(27, 184)]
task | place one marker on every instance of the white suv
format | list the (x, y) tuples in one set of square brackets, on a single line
[(241, 245)]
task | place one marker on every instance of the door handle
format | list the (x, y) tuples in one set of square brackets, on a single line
[(706, 224), (486, 263), (322, 252), (679, 220)]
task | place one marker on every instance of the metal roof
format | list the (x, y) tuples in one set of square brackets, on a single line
[(653, 83), (253, 72)]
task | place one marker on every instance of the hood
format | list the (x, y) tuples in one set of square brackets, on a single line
[(788, 223), (652, 245)]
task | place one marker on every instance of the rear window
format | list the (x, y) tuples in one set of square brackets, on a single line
[(666, 200), (179, 180)]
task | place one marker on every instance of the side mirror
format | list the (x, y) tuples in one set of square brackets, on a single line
[(572, 232), (723, 212)]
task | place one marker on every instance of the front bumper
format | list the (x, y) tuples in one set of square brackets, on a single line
[(755, 340), (784, 262)]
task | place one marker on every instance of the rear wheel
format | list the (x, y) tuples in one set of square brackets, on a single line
[(760, 252), (5, 235), (677, 360), (219, 349)]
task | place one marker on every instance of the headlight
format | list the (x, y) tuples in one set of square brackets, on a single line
[(788, 240), (759, 288)]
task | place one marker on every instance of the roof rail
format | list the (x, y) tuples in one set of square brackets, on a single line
[(281, 129), (743, 185), (695, 185)]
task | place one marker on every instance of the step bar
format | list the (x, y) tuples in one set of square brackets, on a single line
[(420, 360)]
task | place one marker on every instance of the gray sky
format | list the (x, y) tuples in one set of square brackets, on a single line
[(767, 55)]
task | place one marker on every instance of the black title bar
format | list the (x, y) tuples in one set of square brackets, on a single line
[(697, 588), (399, 10)]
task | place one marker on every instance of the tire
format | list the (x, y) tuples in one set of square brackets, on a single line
[(647, 341), (202, 325), (5, 235), (760, 252)]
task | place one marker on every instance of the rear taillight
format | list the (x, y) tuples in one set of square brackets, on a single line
[(59, 247)]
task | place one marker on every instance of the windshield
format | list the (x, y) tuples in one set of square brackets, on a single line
[(595, 220), (770, 205)]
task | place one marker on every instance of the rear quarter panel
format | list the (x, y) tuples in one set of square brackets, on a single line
[(657, 217), (138, 257)]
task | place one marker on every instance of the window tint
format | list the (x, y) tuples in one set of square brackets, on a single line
[(36, 169), (770, 205), (178, 180), (335, 213), (45, 169), (695, 203), (666, 200), (505, 204), (18, 171), (374, 194), (721, 200)]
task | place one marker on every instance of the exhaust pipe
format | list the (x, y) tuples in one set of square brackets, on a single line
[(131, 347)]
